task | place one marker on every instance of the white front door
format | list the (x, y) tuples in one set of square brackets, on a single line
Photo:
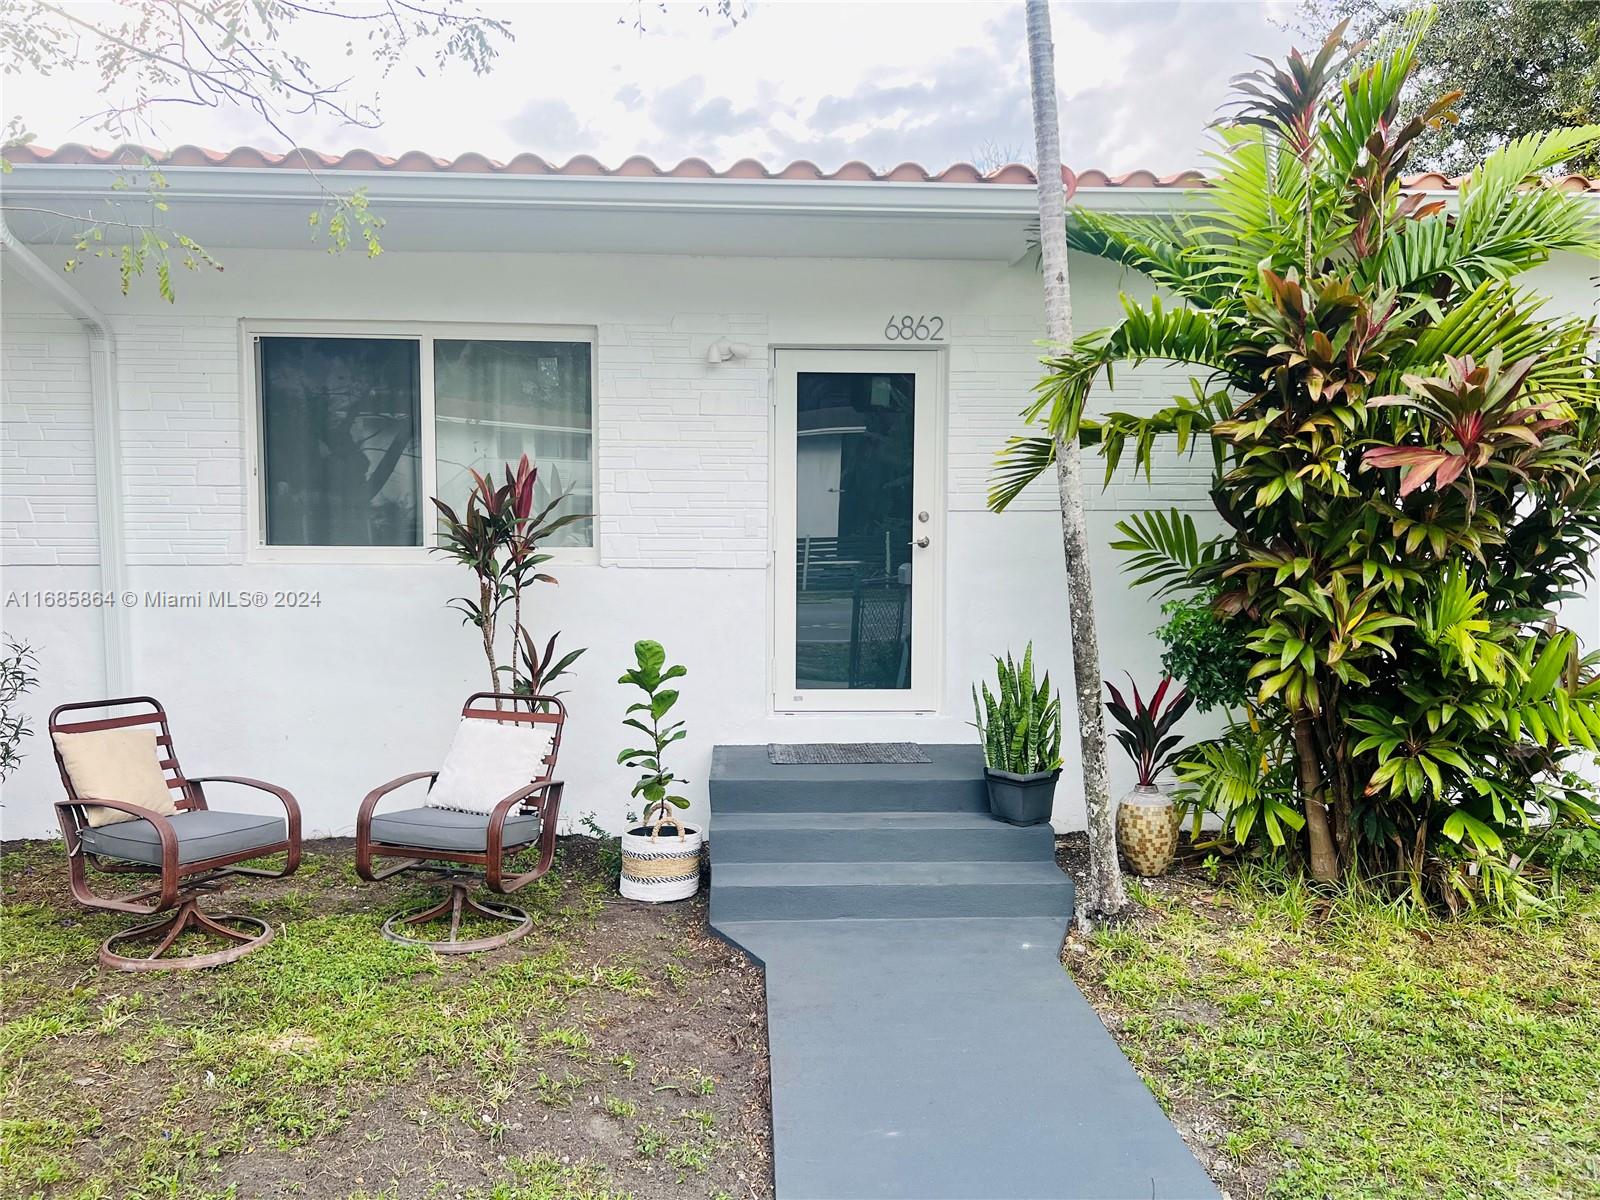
[(857, 530)]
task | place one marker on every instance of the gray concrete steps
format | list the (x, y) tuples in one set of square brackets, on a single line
[(777, 891), (926, 1042), (743, 780), (742, 837)]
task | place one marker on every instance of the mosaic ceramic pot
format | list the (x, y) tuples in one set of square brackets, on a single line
[(1147, 830), (661, 864)]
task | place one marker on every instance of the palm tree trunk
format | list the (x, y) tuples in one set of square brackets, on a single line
[(1101, 893)]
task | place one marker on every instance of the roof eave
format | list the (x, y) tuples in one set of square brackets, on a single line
[(94, 182)]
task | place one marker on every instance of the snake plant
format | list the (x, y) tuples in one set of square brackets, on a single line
[(1021, 727)]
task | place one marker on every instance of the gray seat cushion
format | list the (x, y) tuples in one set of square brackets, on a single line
[(202, 834), (449, 829)]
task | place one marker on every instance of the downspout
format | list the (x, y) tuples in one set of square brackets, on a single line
[(107, 452)]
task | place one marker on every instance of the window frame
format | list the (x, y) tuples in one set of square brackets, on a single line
[(425, 333)]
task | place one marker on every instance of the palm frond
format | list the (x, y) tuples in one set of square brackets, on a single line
[(1507, 222), (1166, 549), (1186, 420), (1370, 97), (1502, 316), (1022, 461), (1252, 206), (1162, 248), (1145, 334)]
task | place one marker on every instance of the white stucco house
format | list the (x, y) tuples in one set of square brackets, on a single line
[(779, 392)]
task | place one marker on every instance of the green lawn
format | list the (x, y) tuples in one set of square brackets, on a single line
[(1316, 1049), (615, 1051)]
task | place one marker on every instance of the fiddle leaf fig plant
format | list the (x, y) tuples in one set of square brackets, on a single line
[(655, 783)]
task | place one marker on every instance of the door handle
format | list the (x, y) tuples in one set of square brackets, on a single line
[(921, 543)]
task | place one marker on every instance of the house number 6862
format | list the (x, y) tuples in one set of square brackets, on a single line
[(914, 329)]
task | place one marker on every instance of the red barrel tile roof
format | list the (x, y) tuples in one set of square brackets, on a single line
[(640, 167)]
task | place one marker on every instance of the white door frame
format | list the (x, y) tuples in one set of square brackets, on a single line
[(927, 564)]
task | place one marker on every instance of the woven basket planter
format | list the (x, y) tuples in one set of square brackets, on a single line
[(661, 864)]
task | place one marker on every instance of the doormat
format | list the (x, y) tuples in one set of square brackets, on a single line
[(844, 753)]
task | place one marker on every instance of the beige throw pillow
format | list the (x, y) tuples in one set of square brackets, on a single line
[(116, 764)]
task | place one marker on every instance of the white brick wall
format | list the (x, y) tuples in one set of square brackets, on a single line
[(682, 447), (182, 433), (682, 452), (994, 364), (47, 482), (1175, 480)]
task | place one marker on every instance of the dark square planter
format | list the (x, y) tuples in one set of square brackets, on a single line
[(1021, 799)]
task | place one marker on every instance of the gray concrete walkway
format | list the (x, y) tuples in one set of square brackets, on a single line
[(926, 1042)]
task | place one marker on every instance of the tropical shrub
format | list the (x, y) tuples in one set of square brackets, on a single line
[(1407, 469), (1205, 651), (655, 784), (1020, 729), (18, 676), (497, 537), (1144, 730), (1246, 777)]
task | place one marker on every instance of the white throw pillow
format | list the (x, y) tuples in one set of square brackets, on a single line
[(116, 764), (488, 761)]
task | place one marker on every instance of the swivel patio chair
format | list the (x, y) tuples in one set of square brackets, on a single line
[(130, 810), (495, 795)]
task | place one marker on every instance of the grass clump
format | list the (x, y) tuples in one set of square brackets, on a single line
[(1354, 1049)]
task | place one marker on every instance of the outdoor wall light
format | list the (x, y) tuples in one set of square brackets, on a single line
[(722, 350)]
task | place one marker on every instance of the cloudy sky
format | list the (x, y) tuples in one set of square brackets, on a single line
[(881, 82)]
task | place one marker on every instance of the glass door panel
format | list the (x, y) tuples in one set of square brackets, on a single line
[(854, 465), (856, 530)]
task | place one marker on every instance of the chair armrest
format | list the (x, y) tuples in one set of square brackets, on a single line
[(369, 802), (494, 844), (164, 832), (291, 807)]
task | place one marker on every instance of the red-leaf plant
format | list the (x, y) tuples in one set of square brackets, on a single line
[(1474, 414), (1146, 732), (498, 538)]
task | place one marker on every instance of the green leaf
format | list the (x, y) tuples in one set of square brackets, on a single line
[(651, 657)]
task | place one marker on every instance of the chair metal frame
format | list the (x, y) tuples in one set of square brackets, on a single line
[(182, 884), (541, 795)]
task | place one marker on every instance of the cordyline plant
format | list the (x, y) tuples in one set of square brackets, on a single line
[(1144, 729), (1407, 471), (497, 537)]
